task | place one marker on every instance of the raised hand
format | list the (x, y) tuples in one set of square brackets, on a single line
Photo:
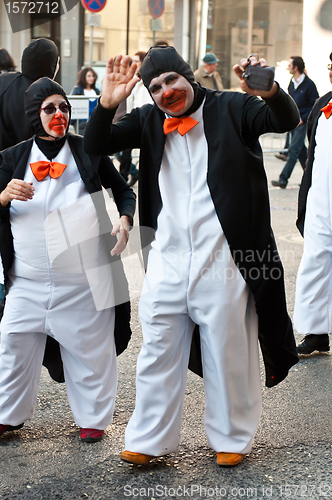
[(238, 70), (118, 82)]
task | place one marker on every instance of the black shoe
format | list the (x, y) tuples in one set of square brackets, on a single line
[(281, 156), (279, 183), (312, 343)]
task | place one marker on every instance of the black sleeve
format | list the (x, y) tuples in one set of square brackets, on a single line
[(102, 138), (278, 114), (6, 172), (124, 196)]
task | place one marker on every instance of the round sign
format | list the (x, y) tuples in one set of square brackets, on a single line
[(156, 7), (93, 5)]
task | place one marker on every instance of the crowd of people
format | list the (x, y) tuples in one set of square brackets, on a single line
[(67, 304)]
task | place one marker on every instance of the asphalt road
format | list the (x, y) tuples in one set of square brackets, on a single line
[(291, 456)]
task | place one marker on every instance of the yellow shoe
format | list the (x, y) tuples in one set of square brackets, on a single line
[(135, 458), (229, 459)]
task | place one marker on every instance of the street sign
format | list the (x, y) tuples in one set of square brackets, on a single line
[(156, 7), (93, 5), (93, 20)]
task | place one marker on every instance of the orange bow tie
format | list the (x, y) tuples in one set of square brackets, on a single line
[(41, 169), (183, 125), (327, 110)]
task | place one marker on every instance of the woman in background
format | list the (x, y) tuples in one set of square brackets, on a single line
[(86, 85)]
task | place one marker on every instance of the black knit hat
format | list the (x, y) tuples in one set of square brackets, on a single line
[(39, 59), (160, 60), (35, 96)]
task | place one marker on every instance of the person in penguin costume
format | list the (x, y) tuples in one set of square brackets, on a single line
[(66, 294), (214, 282)]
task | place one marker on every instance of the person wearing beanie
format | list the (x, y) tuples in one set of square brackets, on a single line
[(40, 58), (67, 303), (214, 281), (207, 74)]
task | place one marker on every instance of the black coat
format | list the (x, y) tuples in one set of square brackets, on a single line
[(236, 178), (95, 173), (307, 175), (39, 59)]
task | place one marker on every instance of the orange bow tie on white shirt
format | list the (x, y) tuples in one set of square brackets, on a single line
[(327, 110), (183, 125), (41, 169)]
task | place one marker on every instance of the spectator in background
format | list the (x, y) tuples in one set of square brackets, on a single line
[(6, 62), (161, 43), (304, 92), (207, 74), (86, 85), (40, 58)]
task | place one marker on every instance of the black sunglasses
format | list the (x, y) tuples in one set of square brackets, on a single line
[(50, 109)]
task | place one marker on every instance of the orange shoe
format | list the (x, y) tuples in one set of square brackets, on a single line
[(135, 458), (229, 459)]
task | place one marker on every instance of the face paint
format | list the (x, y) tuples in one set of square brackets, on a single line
[(172, 93), (54, 124), (174, 100), (58, 124)]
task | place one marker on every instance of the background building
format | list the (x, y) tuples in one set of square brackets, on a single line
[(276, 29)]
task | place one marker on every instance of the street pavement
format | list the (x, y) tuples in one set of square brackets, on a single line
[(291, 456)]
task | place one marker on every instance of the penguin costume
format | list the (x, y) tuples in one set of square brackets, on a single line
[(62, 282), (212, 261)]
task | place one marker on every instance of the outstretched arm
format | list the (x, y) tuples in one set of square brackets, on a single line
[(118, 82)]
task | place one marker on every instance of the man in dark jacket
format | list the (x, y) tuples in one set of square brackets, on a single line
[(40, 58), (312, 313), (304, 92), (212, 261)]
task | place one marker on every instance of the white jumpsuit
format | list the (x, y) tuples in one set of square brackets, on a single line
[(192, 278), (313, 303), (56, 246)]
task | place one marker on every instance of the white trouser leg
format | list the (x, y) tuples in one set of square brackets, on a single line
[(21, 357), (90, 366), (312, 311), (229, 343), (155, 426)]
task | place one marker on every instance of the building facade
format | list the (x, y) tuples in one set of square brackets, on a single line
[(276, 29)]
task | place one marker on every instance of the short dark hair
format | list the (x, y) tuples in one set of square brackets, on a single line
[(331, 56), (299, 63), (141, 54), (81, 80), (161, 43), (6, 61)]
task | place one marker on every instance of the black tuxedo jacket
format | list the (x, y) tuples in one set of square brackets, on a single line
[(96, 172), (236, 178)]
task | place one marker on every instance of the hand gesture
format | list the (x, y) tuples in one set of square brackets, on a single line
[(118, 82), (238, 70), (121, 228), (16, 189)]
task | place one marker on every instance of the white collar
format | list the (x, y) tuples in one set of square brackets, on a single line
[(298, 81)]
